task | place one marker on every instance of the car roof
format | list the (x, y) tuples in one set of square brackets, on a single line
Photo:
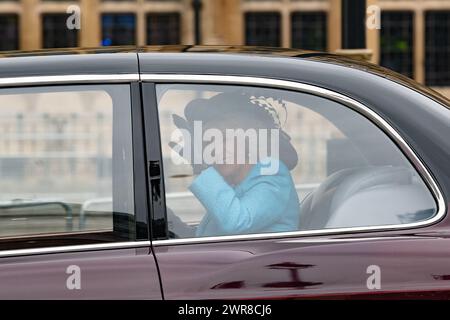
[(62, 61), (162, 48), (112, 60), (123, 60)]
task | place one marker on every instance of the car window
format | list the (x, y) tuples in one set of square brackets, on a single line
[(244, 160), (66, 164)]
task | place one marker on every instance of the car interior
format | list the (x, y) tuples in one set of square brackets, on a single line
[(369, 181), (372, 187)]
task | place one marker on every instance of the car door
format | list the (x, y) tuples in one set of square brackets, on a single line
[(333, 220), (73, 210)]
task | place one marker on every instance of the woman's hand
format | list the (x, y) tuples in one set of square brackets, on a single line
[(183, 124)]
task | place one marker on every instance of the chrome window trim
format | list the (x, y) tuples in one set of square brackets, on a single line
[(67, 79), (74, 248), (328, 94), (71, 79), (239, 80)]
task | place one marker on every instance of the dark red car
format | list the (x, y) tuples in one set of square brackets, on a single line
[(95, 203)]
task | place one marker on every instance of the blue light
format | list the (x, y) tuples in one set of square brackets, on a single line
[(106, 42)]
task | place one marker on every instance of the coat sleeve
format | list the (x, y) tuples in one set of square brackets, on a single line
[(263, 203)]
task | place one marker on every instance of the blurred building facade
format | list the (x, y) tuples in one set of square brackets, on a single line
[(414, 38)]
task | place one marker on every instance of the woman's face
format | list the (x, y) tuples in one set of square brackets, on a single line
[(229, 168)]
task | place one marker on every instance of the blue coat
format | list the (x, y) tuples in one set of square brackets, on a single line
[(260, 203)]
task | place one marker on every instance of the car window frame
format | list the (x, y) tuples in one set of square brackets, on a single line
[(141, 212), (149, 87)]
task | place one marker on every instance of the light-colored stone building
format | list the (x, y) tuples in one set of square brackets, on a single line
[(413, 39)]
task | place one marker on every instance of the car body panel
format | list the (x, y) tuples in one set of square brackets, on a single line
[(337, 268), (68, 64), (104, 274), (107, 270), (414, 262)]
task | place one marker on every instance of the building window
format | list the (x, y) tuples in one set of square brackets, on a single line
[(163, 28), (262, 29), (55, 31), (396, 41), (118, 29), (437, 48), (9, 32), (309, 30)]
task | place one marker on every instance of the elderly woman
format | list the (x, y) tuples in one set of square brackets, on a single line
[(241, 197)]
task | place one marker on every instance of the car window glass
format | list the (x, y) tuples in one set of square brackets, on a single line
[(241, 160), (66, 162)]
